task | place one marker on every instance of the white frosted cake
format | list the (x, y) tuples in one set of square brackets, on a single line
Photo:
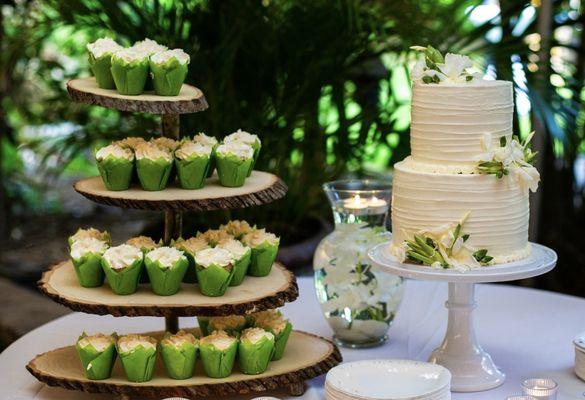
[(461, 199)]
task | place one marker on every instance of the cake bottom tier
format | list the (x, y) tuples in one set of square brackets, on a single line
[(498, 209)]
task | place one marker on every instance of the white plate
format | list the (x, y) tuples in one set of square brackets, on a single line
[(331, 394), (389, 379)]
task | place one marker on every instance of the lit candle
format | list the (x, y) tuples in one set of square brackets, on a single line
[(355, 203), (540, 388), (376, 202)]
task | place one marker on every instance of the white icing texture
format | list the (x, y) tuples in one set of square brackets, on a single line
[(104, 46), (235, 247), (191, 148), (237, 149), (166, 256), (129, 55), (164, 56), (450, 121), (148, 47), (152, 152), (214, 256), (241, 136), (498, 208), (81, 247), (115, 151), (254, 335), (218, 339)]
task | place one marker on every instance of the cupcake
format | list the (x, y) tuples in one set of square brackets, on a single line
[(97, 354), (255, 350), (116, 165), (214, 236), (130, 142), (244, 137), (237, 228), (179, 353), (218, 353), (138, 356), (274, 322), (153, 165), (100, 61), (86, 256), (192, 162), (264, 247), (90, 233), (149, 47), (130, 70), (169, 69), (190, 247), (211, 142), (242, 258), (122, 266), (233, 162), (166, 267), (214, 271), (231, 324)]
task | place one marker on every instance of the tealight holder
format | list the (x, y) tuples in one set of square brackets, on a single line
[(540, 388), (358, 300)]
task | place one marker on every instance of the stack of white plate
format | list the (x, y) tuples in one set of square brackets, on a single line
[(579, 343), (388, 380)]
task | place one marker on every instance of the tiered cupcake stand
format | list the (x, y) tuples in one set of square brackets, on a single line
[(471, 367), (307, 355)]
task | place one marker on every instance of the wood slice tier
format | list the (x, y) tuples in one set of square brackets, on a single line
[(260, 188), (254, 294), (307, 356), (189, 100)]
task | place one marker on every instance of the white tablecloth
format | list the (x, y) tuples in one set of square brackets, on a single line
[(528, 332)]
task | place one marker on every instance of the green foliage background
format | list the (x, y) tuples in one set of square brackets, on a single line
[(323, 82)]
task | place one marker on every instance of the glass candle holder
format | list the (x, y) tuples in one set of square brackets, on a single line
[(358, 300), (540, 388)]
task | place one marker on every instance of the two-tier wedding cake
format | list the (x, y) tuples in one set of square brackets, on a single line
[(461, 199)]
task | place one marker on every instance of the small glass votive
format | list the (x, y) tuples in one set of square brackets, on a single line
[(540, 388)]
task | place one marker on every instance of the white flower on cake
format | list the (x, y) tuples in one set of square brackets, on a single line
[(512, 158), (443, 247), (453, 68)]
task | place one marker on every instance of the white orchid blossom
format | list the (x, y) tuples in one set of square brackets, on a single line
[(453, 68)]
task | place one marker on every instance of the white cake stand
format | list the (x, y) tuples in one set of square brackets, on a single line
[(471, 367)]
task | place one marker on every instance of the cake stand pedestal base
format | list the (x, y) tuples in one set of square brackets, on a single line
[(472, 369)]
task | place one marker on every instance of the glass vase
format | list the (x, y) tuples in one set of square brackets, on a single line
[(358, 300)]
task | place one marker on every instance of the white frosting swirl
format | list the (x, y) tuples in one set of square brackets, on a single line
[(142, 242), (148, 47), (130, 142), (218, 339), (166, 256), (259, 236), (190, 148), (213, 256), (165, 143), (254, 335), (237, 149), (113, 150), (204, 139), (192, 245), (152, 152), (235, 247), (122, 256), (128, 343), (80, 248), (89, 233), (179, 339), (103, 46), (241, 136), (129, 55), (99, 341), (164, 56), (227, 322)]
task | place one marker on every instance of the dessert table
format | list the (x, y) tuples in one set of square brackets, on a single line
[(528, 332)]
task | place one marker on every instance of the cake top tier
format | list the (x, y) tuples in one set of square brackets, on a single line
[(451, 122)]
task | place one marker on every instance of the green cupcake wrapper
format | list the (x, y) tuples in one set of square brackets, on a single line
[(280, 341), (191, 274), (253, 358), (218, 363), (232, 170), (179, 362), (153, 174), (125, 281), (138, 364), (212, 162), (213, 280), (116, 173), (89, 270), (168, 78), (130, 78), (101, 68), (167, 281), (263, 258), (96, 365), (256, 146), (192, 172), (241, 268)]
